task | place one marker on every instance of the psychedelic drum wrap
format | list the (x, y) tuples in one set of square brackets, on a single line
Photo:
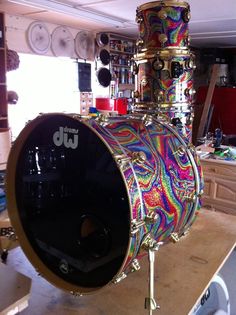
[(160, 86), (168, 183), (163, 24)]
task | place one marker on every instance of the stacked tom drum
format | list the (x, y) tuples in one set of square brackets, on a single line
[(164, 64)]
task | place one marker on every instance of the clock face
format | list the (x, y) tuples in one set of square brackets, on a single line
[(62, 42), (39, 38)]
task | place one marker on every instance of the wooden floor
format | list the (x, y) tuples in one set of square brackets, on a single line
[(182, 274)]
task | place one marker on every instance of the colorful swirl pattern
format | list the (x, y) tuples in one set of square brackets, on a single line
[(173, 27), (165, 184), (173, 89)]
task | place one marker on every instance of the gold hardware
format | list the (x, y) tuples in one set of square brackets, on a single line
[(139, 42), (180, 151), (134, 68), (144, 81), (135, 266), (162, 14), (147, 120), (136, 94), (102, 119), (149, 243), (158, 64), (159, 95), (139, 19), (135, 226), (119, 278), (151, 218), (121, 159), (139, 157), (163, 38), (174, 237), (189, 92), (186, 15)]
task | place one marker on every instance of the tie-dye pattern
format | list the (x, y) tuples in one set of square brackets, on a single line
[(164, 184), (151, 26)]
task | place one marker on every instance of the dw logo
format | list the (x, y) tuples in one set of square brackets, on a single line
[(61, 137)]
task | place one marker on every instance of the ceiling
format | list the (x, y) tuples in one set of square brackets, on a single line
[(213, 22)]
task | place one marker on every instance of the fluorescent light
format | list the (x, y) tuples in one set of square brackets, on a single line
[(72, 11)]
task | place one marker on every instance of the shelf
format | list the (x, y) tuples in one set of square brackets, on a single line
[(119, 65), (114, 51), (123, 87), (3, 118)]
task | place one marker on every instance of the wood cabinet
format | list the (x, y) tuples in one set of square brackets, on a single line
[(3, 66), (220, 185)]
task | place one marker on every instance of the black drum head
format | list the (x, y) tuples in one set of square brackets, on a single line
[(104, 77), (72, 203), (104, 57)]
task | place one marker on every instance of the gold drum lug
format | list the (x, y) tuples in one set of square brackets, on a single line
[(174, 237), (163, 38)]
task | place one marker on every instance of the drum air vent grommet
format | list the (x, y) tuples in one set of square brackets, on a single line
[(158, 64)]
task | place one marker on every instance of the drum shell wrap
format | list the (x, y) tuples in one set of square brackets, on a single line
[(160, 86), (162, 25), (167, 182)]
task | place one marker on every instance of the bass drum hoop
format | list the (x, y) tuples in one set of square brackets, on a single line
[(38, 264)]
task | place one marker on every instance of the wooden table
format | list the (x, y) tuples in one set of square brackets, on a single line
[(183, 272)]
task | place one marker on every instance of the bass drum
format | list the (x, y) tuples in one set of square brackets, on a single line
[(84, 193)]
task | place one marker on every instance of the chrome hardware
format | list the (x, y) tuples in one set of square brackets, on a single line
[(151, 246), (139, 157), (135, 226), (174, 237), (119, 278)]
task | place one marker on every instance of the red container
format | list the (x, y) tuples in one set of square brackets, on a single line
[(104, 103), (121, 105)]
